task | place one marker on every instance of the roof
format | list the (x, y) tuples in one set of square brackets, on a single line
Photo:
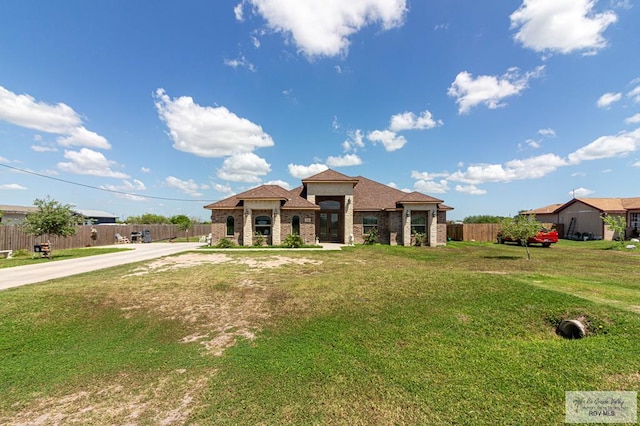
[(330, 176), (95, 213), (292, 199), (550, 209), (17, 209), (371, 195)]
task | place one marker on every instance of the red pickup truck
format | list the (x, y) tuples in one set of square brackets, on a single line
[(545, 237)]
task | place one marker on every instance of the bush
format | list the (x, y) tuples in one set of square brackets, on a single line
[(225, 243), (258, 239), (371, 237), (420, 238), (293, 241)]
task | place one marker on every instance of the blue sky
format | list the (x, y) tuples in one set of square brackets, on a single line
[(164, 106)]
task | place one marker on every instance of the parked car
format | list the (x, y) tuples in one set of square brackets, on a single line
[(544, 236)]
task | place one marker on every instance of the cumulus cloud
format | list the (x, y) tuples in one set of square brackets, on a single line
[(300, 172), (323, 28), (607, 99), (89, 162), (240, 62), (343, 161), (409, 121), (124, 190), (279, 182), (60, 119), (489, 90), (561, 26), (390, 140), (529, 168), (549, 133), (635, 94), (12, 187), (354, 142), (238, 12), (636, 164), (470, 189), (43, 148), (208, 131), (633, 119), (580, 192), (608, 146), (246, 167), (431, 186), (189, 187)]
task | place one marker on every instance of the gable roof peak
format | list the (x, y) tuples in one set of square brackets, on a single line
[(330, 175)]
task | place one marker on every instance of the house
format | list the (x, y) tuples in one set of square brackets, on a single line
[(329, 207), (15, 215), (582, 217)]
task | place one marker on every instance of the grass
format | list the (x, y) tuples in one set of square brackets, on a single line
[(24, 257), (463, 334)]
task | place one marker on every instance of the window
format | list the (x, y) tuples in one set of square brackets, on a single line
[(369, 223), (263, 225), (230, 225), (418, 224), (635, 220), (329, 205), (295, 225)]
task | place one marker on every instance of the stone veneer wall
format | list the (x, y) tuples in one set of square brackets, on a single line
[(307, 229), (219, 226), (384, 230)]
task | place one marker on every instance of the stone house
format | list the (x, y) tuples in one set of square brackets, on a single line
[(329, 207)]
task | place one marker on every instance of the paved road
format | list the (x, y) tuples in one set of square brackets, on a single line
[(29, 274)]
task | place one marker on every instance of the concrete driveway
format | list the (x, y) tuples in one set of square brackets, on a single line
[(29, 274)]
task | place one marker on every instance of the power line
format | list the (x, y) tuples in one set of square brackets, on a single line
[(101, 189)]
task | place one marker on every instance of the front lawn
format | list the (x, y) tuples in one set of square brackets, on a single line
[(463, 334)]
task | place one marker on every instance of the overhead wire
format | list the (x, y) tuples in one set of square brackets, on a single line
[(131, 194)]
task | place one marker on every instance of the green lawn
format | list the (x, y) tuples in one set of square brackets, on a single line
[(463, 334), (24, 257)]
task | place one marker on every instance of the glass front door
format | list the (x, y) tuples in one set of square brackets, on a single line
[(329, 224)]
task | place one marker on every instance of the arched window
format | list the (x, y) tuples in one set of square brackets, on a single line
[(419, 224), (230, 225), (295, 225), (369, 223), (329, 205), (263, 225)]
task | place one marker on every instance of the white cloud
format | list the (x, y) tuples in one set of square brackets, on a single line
[(279, 182), (128, 187), (189, 187), (608, 146), (580, 192), (224, 189), (409, 121), (246, 167), (431, 187), (343, 161), (389, 139), (240, 62), (428, 176), (237, 11), (354, 142), (80, 136), (470, 189), (43, 148), (633, 119), (561, 26), (607, 99), (636, 164), (208, 131), (300, 172), (489, 90), (549, 133), (635, 94), (145, 169), (61, 119), (323, 28), (532, 143), (89, 162), (12, 187)]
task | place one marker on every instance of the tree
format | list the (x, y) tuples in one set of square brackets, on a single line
[(617, 224), (520, 228), (184, 223), (482, 219), (51, 218), (148, 219)]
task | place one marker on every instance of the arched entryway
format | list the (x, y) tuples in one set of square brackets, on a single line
[(329, 221)]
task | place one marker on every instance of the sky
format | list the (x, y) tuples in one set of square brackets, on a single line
[(162, 107)]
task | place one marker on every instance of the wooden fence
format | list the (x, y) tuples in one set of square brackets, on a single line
[(483, 232), (13, 238)]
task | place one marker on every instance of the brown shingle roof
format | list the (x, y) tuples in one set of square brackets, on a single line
[(330, 176), (371, 195), (264, 192), (544, 210), (609, 205)]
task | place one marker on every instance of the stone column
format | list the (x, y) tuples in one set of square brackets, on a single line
[(406, 227), (433, 228), (275, 227), (247, 228)]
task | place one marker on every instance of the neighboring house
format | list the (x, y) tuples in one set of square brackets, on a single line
[(329, 207), (15, 215), (545, 214), (582, 217)]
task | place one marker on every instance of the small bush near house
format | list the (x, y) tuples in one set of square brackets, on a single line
[(420, 238), (371, 237), (293, 241), (225, 243), (258, 239)]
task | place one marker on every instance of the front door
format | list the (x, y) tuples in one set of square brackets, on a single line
[(329, 221)]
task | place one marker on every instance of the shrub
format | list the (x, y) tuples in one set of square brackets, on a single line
[(420, 238), (225, 243), (258, 239), (371, 237), (293, 241)]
